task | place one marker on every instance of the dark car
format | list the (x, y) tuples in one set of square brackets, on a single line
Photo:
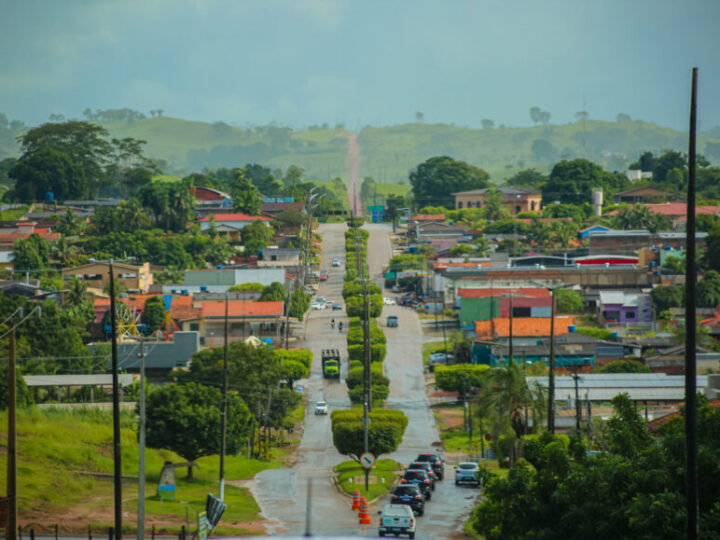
[(409, 494), (424, 466), (392, 321), (420, 478), (437, 462)]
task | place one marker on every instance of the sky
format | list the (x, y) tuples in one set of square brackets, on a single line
[(377, 62)]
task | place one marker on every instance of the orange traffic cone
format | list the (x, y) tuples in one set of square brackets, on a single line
[(364, 513), (356, 500)]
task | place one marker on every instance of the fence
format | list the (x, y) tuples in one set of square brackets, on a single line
[(53, 532)]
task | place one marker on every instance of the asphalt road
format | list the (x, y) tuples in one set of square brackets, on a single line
[(282, 493)]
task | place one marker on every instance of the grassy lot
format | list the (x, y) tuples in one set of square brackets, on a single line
[(351, 476), (13, 213), (56, 446)]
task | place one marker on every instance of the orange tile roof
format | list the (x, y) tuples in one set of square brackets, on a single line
[(522, 327), (674, 209), (240, 308), (428, 217), (485, 293)]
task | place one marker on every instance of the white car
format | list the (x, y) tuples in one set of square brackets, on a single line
[(397, 519), (466, 473), (317, 305), (388, 301), (440, 358), (321, 407), (336, 262)]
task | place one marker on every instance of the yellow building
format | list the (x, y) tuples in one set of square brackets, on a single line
[(515, 199), (97, 275)]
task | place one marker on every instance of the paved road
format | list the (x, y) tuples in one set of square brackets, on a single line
[(281, 493), (450, 505)]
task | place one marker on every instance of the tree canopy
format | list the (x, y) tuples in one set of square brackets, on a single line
[(573, 181), (435, 180)]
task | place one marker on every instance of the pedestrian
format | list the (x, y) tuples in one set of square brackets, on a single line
[(332, 324), (340, 326)]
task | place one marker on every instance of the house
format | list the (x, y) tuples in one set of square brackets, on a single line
[(209, 199), (675, 210), (587, 231), (272, 206), (433, 231), (230, 222), (485, 304), (522, 327), (629, 242), (623, 307), (6, 260), (643, 194), (425, 218), (245, 319), (672, 360), (90, 205), (96, 275), (220, 280), (12, 231), (514, 198), (572, 350), (274, 257)]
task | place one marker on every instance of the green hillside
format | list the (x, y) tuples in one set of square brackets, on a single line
[(389, 153)]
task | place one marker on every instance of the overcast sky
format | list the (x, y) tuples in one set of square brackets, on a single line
[(301, 62)]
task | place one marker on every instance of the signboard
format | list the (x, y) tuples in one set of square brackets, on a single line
[(203, 526), (299, 388), (367, 460)]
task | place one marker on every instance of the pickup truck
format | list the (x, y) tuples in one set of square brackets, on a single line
[(397, 519), (330, 363)]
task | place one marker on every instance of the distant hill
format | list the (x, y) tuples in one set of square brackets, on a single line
[(389, 153)]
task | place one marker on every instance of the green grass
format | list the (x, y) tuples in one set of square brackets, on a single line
[(384, 474), (433, 347), (166, 178), (13, 213), (53, 444)]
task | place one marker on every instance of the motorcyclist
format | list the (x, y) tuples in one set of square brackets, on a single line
[(340, 325)]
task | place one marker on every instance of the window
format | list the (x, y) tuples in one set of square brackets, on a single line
[(532, 206), (459, 204), (478, 204), (194, 327), (630, 315), (517, 209), (521, 312)]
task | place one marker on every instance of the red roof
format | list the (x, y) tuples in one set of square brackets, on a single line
[(428, 217), (674, 209), (522, 327), (11, 237), (446, 265), (241, 308), (208, 194), (537, 292), (235, 217)]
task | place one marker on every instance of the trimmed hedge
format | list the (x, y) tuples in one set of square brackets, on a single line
[(355, 377), (461, 376), (377, 352), (304, 356)]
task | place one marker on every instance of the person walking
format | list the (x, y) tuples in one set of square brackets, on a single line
[(332, 324), (340, 325)]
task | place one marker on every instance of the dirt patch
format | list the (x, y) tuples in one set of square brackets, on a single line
[(452, 418)]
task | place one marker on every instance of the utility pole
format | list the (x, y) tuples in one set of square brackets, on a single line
[(510, 351), (117, 449), (691, 496), (287, 317), (12, 523), (578, 409), (141, 437), (551, 371), (223, 414)]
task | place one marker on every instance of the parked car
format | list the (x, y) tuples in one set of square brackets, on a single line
[(420, 478), (424, 466), (321, 407), (466, 473), (437, 462), (392, 321), (324, 275), (397, 519), (440, 358), (411, 495), (336, 262), (317, 304), (389, 301), (336, 306)]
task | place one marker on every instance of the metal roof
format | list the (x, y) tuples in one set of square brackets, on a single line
[(639, 386), (76, 380)]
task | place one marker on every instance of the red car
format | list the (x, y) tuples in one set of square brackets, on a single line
[(323, 275)]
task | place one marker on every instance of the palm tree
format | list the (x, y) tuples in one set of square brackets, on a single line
[(505, 399), (64, 252), (76, 293), (494, 207)]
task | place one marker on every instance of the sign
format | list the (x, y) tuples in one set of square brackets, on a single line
[(203, 526), (299, 388), (367, 460)]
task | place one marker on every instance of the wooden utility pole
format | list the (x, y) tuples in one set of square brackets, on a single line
[(223, 414), (141, 440), (117, 449), (551, 371), (12, 523), (691, 473)]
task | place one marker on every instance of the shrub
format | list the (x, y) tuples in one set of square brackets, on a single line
[(460, 376), (377, 352)]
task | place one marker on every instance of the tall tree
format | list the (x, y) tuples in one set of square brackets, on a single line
[(436, 179), (640, 217), (153, 314), (48, 170), (573, 181), (529, 178), (246, 197)]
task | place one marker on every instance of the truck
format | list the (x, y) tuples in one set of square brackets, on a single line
[(330, 363), (397, 519)]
